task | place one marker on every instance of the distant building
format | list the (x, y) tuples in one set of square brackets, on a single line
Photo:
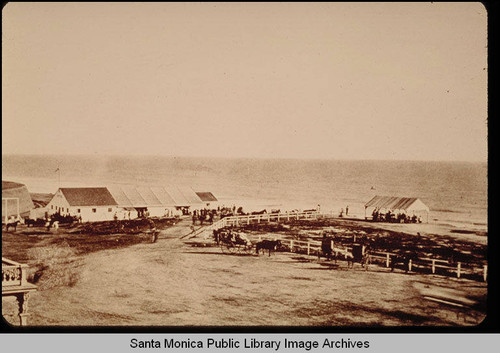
[(124, 202), (207, 197), (16, 200), (91, 204), (406, 205)]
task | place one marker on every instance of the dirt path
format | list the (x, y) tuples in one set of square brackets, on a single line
[(170, 283)]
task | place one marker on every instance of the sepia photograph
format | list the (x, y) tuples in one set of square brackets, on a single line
[(244, 164)]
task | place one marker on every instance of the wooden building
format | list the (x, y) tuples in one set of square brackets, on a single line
[(91, 204)]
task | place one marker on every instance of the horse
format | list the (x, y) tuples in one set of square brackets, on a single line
[(34, 222), (270, 245), (11, 224), (30, 222), (259, 212), (360, 254), (400, 259)]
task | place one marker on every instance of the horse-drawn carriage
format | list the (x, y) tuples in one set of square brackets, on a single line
[(359, 254), (232, 242)]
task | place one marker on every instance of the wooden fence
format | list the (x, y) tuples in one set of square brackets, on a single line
[(426, 265), (422, 265)]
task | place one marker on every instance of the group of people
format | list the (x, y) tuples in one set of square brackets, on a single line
[(204, 215), (341, 214), (393, 217), (208, 215)]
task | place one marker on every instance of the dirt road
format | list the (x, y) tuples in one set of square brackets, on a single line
[(170, 283)]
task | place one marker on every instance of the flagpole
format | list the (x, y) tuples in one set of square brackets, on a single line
[(58, 170)]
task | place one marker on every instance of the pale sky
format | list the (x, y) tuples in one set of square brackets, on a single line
[(294, 80)]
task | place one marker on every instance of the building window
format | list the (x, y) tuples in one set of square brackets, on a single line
[(109, 209), (78, 210), (67, 210), (94, 210), (51, 207)]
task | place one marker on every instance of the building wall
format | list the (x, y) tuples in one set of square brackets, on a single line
[(58, 204), (87, 213), (94, 213)]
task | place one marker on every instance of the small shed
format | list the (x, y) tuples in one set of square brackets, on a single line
[(409, 205)]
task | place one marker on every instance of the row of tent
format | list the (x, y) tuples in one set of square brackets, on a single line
[(129, 196)]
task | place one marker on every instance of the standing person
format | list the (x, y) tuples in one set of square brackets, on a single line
[(347, 210), (326, 246), (152, 229), (194, 218)]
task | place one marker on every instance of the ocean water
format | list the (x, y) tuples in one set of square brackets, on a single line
[(456, 192)]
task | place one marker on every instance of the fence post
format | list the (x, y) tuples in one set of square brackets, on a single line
[(409, 266), (259, 219), (288, 216), (485, 272), (459, 267), (248, 220), (308, 248), (387, 259), (346, 251), (354, 238), (433, 266), (291, 245), (278, 217)]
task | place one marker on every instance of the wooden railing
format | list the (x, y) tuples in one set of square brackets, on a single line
[(257, 218), (13, 273), (14, 283)]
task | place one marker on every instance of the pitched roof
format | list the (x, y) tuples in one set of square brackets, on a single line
[(177, 196), (190, 195), (10, 185), (136, 199), (120, 197), (206, 196), (163, 196), (88, 196), (19, 192), (397, 203), (149, 196)]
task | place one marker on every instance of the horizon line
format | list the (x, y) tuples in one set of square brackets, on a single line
[(239, 157)]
